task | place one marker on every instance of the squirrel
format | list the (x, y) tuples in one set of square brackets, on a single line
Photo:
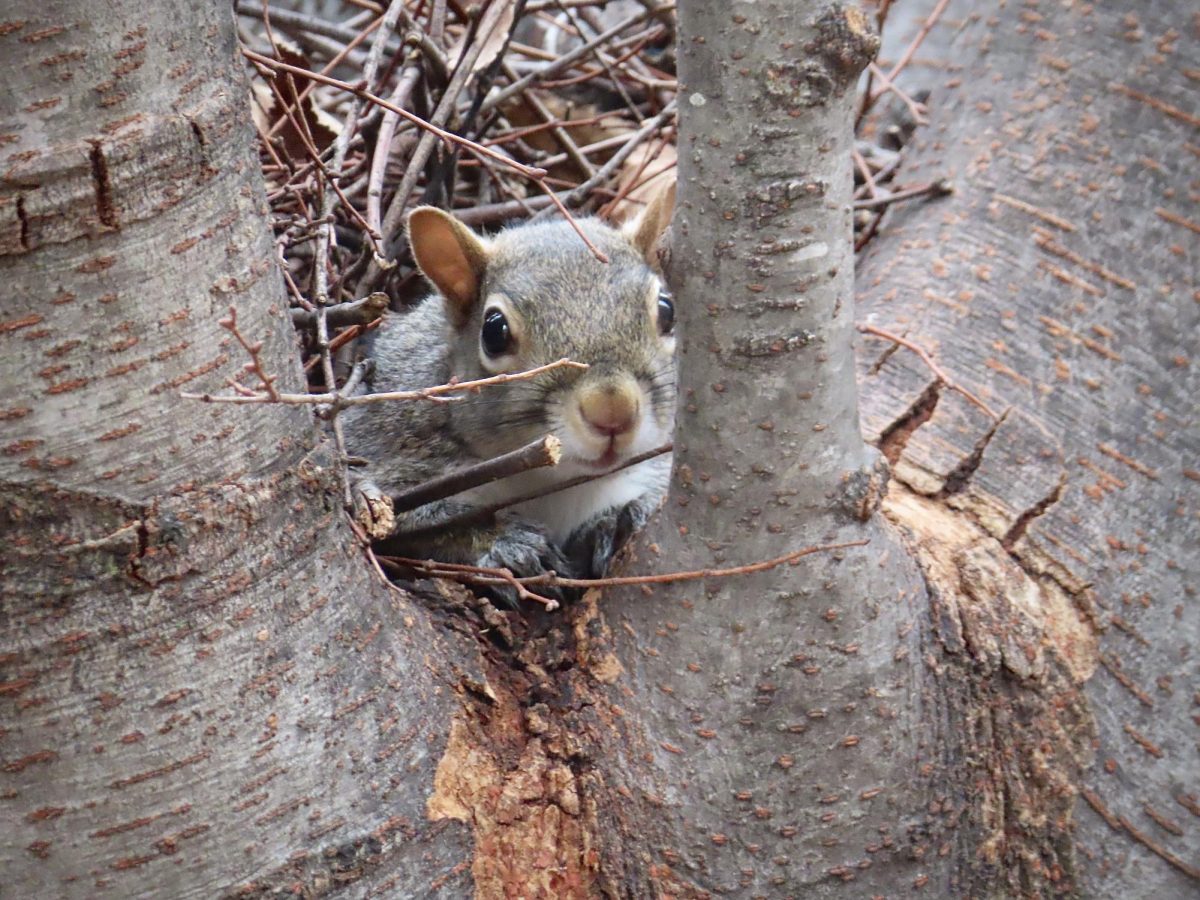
[(527, 296)]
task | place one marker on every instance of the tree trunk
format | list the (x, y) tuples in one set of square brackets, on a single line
[(204, 688), (1059, 281)]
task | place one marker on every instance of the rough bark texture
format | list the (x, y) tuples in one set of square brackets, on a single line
[(765, 728), (1059, 281), (203, 688), (205, 692)]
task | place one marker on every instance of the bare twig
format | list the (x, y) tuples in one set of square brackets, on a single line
[(498, 577), (437, 393), (447, 136), (929, 361), (916, 109), (545, 451), (357, 312), (469, 575), (650, 127), (568, 59), (230, 324), (938, 188), (911, 49)]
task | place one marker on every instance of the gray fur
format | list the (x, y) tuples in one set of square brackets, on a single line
[(569, 305)]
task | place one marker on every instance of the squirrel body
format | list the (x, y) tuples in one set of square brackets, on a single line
[(528, 296)]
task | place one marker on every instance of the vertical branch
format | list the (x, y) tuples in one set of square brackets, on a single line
[(325, 229)]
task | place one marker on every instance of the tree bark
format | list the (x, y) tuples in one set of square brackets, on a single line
[(204, 688), (1060, 282), (763, 729)]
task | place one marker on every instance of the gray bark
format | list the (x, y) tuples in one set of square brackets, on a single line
[(770, 724), (204, 689), (1060, 283)]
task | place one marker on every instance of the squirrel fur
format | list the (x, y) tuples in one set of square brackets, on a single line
[(530, 295)]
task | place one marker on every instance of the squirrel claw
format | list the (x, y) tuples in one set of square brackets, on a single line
[(591, 547), (525, 551)]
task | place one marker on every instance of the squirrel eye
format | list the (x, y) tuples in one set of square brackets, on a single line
[(666, 313), (496, 335)]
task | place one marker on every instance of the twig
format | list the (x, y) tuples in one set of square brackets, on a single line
[(907, 56), (865, 170), (490, 576), (937, 188), (929, 361), (230, 324), (415, 166), (357, 312), (447, 136), (538, 454), (604, 172), (554, 580), (917, 109), (470, 575), (486, 513), (567, 59), (383, 146), (436, 393)]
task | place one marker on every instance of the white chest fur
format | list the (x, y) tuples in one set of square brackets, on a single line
[(564, 511)]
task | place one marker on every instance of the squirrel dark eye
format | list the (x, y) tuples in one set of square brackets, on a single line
[(496, 335), (666, 313)]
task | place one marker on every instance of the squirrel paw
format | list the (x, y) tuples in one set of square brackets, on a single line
[(373, 511), (525, 550), (592, 545)]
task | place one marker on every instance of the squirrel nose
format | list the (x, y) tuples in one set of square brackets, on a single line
[(609, 409)]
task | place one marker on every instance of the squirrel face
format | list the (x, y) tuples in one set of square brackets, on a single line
[(534, 294)]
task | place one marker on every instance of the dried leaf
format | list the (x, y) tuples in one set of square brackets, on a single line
[(493, 30)]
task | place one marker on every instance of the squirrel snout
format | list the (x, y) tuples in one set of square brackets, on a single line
[(610, 409)]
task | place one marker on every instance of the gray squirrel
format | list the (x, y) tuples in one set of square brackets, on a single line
[(530, 295)]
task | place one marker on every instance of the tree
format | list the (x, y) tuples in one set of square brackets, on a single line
[(207, 689)]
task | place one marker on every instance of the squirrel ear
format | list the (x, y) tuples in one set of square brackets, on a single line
[(645, 229), (451, 256)]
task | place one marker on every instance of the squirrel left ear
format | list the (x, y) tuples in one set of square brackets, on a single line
[(450, 255), (645, 229)]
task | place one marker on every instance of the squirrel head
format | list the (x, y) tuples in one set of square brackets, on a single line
[(535, 293)]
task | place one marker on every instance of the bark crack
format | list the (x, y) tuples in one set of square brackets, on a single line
[(1027, 518), (957, 480), (102, 186), (895, 437), (23, 217)]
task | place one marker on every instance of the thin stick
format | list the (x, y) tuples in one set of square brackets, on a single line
[(357, 312), (470, 575), (447, 136), (433, 393), (567, 59), (489, 576), (383, 145), (934, 189), (863, 168), (907, 56), (489, 511), (917, 109), (230, 324), (937, 370), (538, 454), (650, 127)]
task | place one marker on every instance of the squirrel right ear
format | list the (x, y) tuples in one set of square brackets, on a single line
[(450, 255), (645, 230)]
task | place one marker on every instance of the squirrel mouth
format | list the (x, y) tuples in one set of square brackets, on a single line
[(607, 459)]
